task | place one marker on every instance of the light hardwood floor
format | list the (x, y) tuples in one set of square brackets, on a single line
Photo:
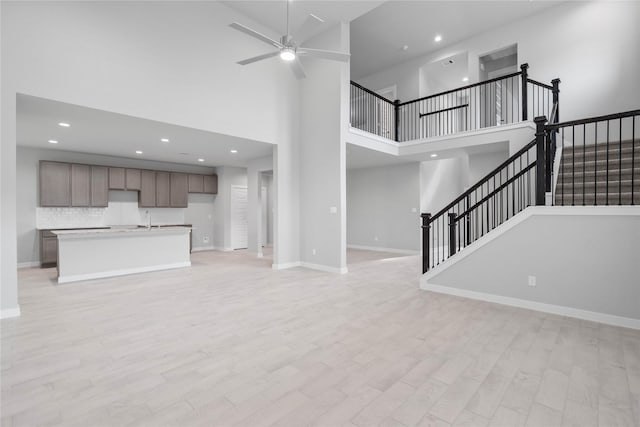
[(229, 341)]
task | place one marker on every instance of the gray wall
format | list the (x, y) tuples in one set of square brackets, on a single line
[(441, 181), (380, 201), (587, 262), (27, 191)]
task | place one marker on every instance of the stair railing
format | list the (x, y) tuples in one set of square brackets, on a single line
[(499, 101), (598, 152)]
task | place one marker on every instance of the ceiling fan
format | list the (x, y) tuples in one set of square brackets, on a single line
[(289, 49)]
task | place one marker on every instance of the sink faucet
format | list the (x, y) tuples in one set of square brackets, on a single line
[(148, 218)]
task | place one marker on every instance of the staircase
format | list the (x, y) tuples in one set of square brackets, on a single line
[(602, 174)]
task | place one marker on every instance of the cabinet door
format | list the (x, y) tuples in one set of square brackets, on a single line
[(133, 179), (211, 184), (163, 189), (80, 185), (116, 179), (55, 184), (99, 186), (147, 197), (49, 250), (196, 183), (179, 190)]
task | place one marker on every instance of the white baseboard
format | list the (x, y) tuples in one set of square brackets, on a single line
[(592, 316), (326, 268), (29, 264), (285, 265), (203, 249), (7, 313), (113, 273), (379, 249)]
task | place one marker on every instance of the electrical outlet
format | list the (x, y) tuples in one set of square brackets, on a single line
[(205, 239), (375, 238), (333, 209), (313, 251), (414, 210), (532, 281)]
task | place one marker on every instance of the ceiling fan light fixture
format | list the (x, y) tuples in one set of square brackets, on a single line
[(287, 54)]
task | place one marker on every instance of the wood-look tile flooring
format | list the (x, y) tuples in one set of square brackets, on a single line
[(231, 342)]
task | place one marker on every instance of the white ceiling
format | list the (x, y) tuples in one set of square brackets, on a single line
[(273, 13), (378, 36), (101, 132)]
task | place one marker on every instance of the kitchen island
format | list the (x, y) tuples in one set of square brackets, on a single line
[(97, 253)]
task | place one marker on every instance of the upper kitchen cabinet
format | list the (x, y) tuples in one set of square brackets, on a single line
[(196, 183), (147, 197), (55, 184), (99, 186), (116, 179), (80, 185), (133, 179), (210, 184), (179, 193), (163, 190)]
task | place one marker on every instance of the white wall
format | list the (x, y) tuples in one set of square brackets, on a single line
[(482, 163), (323, 133), (382, 207), (123, 205), (164, 61), (441, 181), (590, 46), (585, 261)]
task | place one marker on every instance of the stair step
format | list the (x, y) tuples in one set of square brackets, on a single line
[(600, 163), (579, 156), (601, 146), (599, 198), (613, 184)]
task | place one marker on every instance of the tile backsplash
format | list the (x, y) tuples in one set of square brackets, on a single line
[(122, 210)]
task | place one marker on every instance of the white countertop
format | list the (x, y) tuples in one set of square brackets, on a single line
[(154, 229)]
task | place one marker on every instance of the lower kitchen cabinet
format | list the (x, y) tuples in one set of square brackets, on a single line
[(48, 249)]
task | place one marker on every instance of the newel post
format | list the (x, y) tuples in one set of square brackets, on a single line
[(556, 94), (525, 101), (396, 109), (452, 234), (540, 160), (426, 219)]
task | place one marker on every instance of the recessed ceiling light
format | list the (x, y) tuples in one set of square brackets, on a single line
[(64, 125), (465, 79), (201, 160), (234, 151), (164, 139), (138, 152), (434, 155), (53, 141), (438, 38)]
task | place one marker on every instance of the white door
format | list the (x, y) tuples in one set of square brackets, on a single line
[(239, 221)]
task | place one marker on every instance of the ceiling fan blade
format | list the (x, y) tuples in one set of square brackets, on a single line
[(296, 67), (308, 27), (258, 58), (324, 54), (256, 34)]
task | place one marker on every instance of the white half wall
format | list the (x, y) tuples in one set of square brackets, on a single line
[(584, 260), (383, 207)]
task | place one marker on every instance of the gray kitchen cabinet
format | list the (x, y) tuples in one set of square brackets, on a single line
[(147, 196), (210, 184), (116, 179), (163, 189), (196, 183), (133, 179), (80, 185), (99, 186), (179, 192), (48, 249), (55, 184)]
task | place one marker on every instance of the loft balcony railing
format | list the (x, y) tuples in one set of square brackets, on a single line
[(500, 101)]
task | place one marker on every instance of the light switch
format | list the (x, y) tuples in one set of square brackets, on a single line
[(333, 210)]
